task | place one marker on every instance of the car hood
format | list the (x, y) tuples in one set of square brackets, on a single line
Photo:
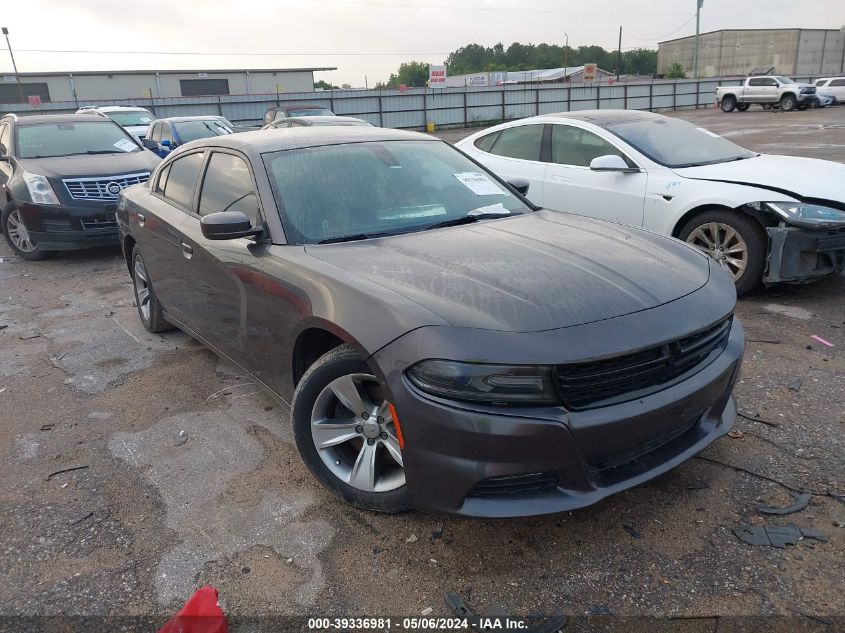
[(116, 164), (791, 175), (534, 272)]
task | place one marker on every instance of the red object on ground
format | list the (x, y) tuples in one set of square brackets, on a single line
[(201, 614)]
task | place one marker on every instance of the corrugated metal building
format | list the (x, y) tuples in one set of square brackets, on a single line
[(571, 74), (133, 84), (735, 52)]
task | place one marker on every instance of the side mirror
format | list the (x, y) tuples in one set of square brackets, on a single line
[(228, 225), (5, 158), (520, 184), (149, 143), (611, 162)]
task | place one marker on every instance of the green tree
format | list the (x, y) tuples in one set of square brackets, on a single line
[(412, 74), (324, 85), (676, 71), (640, 61)]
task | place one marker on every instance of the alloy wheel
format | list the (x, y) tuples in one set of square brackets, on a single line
[(354, 433), (723, 243), (142, 288), (18, 233)]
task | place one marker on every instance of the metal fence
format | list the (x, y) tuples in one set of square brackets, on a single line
[(448, 107)]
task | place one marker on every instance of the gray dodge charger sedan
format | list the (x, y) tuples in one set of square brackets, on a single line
[(443, 344)]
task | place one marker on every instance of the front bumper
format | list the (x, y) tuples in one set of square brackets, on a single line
[(491, 462), (63, 227), (799, 255)]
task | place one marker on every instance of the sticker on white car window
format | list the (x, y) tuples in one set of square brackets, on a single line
[(708, 132), (145, 119), (491, 209), (125, 145), (479, 184)]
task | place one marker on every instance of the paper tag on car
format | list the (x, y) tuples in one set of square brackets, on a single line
[(479, 184), (490, 209), (125, 145)]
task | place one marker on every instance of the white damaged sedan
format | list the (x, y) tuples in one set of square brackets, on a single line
[(763, 217)]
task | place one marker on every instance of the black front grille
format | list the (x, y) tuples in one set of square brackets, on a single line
[(101, 221), (515, 485), (605, 382)]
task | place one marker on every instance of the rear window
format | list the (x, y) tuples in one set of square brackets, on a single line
[(310, 112), (131, 117), (485, 143), (193, 130), (43, 140)]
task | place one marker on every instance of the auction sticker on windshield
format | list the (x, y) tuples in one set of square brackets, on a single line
[(479, 184), (125, 145)]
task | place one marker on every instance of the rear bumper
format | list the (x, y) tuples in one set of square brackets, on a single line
[(799, 255), (61, 227), (486, 462)]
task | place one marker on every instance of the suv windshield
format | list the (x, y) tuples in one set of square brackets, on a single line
[(43, 140), (310, 112), (362, 190), (676, 143), (131, 117), (192, 130)]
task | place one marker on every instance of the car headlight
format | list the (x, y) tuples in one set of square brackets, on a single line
[(811, 216), (492, 384), (40, 191)]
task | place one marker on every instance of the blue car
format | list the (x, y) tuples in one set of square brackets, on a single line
[(165, 135)]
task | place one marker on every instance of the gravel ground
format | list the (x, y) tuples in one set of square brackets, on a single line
[(106, 513)]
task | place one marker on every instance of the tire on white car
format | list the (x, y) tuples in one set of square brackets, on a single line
[(728, 103), (788, 102), (735, 240)]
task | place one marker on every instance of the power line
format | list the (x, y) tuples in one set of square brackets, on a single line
[(661, 37), (230, 54)]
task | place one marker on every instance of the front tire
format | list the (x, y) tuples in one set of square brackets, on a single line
[(788, 103), (345, 433), (735, 240), (18, 236), (149, 307), (728, 103)]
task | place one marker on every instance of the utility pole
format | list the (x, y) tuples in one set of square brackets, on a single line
[(619, 54), (699, 3), (14, 65), (566, 52)]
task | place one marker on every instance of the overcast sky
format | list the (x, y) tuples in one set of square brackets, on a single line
[(359, 37)]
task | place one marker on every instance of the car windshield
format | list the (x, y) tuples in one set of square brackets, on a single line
[(785, 80), (43, 140), (192, 130), (360, 190), (676, 143), (310, 112), (131, 117)]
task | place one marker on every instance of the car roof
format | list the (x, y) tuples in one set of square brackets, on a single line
[(605, 117), (299, 106), (198, 117), (60, 118), (262, 141)]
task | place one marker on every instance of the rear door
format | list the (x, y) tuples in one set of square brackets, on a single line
[(223, 277), (156, 227), (573, 187), (515, 152), (837, 88)]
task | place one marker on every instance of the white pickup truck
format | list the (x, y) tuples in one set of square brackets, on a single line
[(770, 90)]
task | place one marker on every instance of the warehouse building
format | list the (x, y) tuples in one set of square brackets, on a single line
[(735, 52), (140, 84)]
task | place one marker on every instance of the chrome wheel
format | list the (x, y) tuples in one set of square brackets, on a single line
[(18, 234), (723, 243), (142, 288), (353, 431)]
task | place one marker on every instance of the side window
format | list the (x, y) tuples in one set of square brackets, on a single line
[(574, 146), (821, 82), (162, 180), (772, 82), (280, 114), (519, 142), (166, 132), (485, 143), (227, 186), (4, 138), (268, 116), (837, 83), (182, 178), (155, 135), (757, 82)]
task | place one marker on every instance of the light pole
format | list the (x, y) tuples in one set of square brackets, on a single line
[(566, 52), (699, 3), (14, 65)]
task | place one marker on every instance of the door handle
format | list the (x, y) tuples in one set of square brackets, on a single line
[(187, 251), (141, 219)]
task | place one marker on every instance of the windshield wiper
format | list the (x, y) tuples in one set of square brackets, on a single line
[(103, 151), (466, 219), (353, 238)]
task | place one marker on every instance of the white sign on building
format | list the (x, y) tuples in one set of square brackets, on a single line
[(437, 76), (477, 80), (589, 73)]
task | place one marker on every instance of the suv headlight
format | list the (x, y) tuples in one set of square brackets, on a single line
[(811, 216), (40, 190), (492, 384)]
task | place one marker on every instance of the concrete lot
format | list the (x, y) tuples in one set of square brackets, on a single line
[(137, 522)]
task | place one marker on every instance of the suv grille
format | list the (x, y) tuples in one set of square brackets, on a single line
[(605, 382), (98, 188)]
